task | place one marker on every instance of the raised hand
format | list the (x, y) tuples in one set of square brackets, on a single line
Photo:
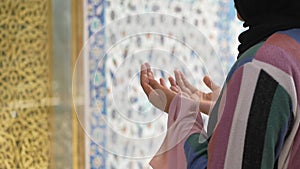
[(158, 93), (206, 100)]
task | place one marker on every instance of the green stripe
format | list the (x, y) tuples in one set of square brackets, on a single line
[(250, 52), (278, 119), (197, 144), (213, 117)]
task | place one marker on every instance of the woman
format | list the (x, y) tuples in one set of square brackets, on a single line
[(255, 121)]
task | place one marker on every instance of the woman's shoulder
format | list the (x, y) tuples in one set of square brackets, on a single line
[(280, 44), (282, 50)]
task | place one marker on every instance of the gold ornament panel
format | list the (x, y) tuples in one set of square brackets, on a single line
[(25, 84)]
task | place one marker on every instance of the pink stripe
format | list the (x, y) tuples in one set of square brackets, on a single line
[(219, 141), (278, 50), (294, 162)]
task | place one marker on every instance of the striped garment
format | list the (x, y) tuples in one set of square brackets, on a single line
[(254, 123)]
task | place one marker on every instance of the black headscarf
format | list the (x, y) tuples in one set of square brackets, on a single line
[(265, 17)]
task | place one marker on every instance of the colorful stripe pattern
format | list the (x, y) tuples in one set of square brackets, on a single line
[(262, 121), (255, 122)]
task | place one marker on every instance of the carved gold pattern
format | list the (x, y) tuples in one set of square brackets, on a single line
[(25, 84)]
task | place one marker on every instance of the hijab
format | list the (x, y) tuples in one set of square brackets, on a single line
[(265, 17)]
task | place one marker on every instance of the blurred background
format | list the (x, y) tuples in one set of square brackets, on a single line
[(69, 85)]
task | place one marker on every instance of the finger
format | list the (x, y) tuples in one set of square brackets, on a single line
[(143, 75), (180, 83), (172, 81), (162, 82), (149, 71), (175, 89), (209, 83), (144, 80), (187, 83)]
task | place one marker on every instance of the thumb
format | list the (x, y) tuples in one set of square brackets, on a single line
[(209, 83)]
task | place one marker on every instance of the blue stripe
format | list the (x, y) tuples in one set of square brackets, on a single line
[(196, 152), (237, 65), (200, 163)]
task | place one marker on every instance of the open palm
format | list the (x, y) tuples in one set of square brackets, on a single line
[(206, 100), (158, 93)]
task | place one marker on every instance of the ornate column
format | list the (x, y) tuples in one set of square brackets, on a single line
[(25, 84)]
